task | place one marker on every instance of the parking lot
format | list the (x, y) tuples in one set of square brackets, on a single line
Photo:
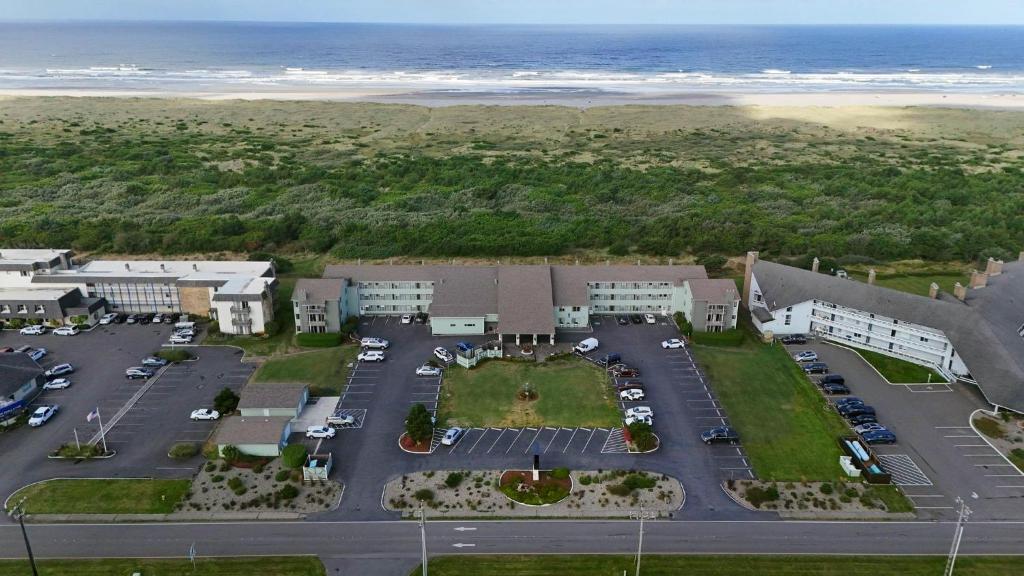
[(142, 418), (937, 456)]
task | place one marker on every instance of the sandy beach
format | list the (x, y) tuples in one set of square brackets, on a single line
[(578, 99)]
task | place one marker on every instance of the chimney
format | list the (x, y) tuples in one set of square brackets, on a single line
[(163, 268), (960, 291), (978, 279), (127, 266), (814, 264), (993, 267), (748, 273), (871, 276), (933, 291), (195, 267)]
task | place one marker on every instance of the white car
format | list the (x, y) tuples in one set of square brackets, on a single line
[(406, 318), (806, 356), (371, 356), (443, 354), (641, 419), (57, 384), (640, 412), (157, 319), (375, 343), (35, 330), (176, 339), (108, 318), (185, 333), (37, 354), (320, 432), (66, 331), (631, 395), (673, 344), (428, 370), (59, 370), (41, 415), (649, 318), (341, 420), (204, 414), (452, 436)]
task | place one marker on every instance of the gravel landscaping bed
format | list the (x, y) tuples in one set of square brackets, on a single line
[(820, 499), (595, 494), (221, 488)]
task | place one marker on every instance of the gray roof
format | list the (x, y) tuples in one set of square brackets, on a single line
[(983, 329), (570, 282), (318, 290), (15, 370), (465, 291), (717, 291), (251, 430), (524, 300), (271, 395)]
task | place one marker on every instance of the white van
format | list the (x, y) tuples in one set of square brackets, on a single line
[(588, 345), (185, 326)]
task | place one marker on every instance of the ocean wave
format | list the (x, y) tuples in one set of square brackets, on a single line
[(775, 71)]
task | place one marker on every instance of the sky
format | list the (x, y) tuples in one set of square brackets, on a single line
[(1001, 12)]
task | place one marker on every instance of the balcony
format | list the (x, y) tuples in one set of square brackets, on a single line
[(241, 321)]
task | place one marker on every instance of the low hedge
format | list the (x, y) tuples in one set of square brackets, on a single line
[(175, 355), (318, 340), (183, 450), (727, 338)]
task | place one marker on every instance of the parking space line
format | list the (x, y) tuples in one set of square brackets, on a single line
[(496, 440), (515, 440), (530, 445), (589, 438), (574, 431), (477, 441)]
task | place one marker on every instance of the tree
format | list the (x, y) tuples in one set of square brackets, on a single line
[(226, 401), (418, 426), (642, 436), (293, 455)]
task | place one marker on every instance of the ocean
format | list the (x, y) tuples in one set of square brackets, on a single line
[(509, 59)]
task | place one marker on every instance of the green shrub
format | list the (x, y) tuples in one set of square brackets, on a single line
[(424, 495), (453, 479), (586, 480), (638, 481), (236, 485), (282, 475), (183, 450), (225, 401), (685, 328), (642, 436), (175, 355), (217, 478), (560, 473), (619, 489), (288, 491), (271, 328), (826, 488), (326, 340), (230, 454), (758, 496), (293, 456)]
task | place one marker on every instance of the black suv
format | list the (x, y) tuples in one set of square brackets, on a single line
[(794, 339), (636, 319), (832, 379), (815, 368), (835, 388), (720, 434)]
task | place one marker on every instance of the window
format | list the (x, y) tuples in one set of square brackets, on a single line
[(923, 339), (577, 309), (5, 308), (22, 309), (40, 309), (24, 272), (789, 319), (789, 308)]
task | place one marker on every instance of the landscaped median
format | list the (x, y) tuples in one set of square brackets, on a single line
[(718, 565), (897, 371), (560, 493), (232, 566)]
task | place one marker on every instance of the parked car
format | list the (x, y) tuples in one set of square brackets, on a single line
[(42, 414), (37, 354), (720, 434), (625, 372), (341, 420), (137, 372), (611, 359), (406, 318), (144, 318), (855, 410), (636, 319), (869, 427), (452, 436), (650, 319), (638, 411), (443, 354), (832, 379), (834, 389), (371, 356), (375, 343), (108, 318), (158, 318), (153, 362), (816, 368), (848, 400), (794, 339), (34, 330), (185, 333), (629, 385), (66, 331), (806, 356), (132, 319), (622, 320), (59, 370), (120, 318), (428, 370), (632, 395), (204, 414), (57, 384), (587, 345), (628, 420), (178, 339), (673, 343), (862, 419), (320, 432), (6, 350), (464, 346), (878, 437)]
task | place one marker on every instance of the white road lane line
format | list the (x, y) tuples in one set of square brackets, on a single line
[(591, 437), (477, 442)]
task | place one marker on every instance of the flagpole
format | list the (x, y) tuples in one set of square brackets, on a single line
[(103, 436), (77, 445)]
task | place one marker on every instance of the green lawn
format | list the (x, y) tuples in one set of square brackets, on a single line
[(324, 370), (783, 423), (714, 565), (900, 371), (94, 496), (264, 566), (570, 393)]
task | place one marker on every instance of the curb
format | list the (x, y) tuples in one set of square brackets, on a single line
[(111, 454), (740, 502), (427, 453), (655, 449), (168, 518), (970, 421), (572, 484)]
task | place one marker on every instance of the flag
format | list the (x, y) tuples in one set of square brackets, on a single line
[(94, 414)]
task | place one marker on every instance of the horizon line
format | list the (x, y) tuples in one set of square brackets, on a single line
[(538, 24)]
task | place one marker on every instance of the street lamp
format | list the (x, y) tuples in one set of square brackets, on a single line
[(423, 538), (641, 515), (958, 534), (18, 513)]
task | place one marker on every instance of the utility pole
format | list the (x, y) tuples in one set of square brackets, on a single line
[(423, 538), (958, 534), (18, 513), (641, 515)]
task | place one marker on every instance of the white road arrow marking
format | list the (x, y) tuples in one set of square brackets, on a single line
[(464, 528), (462, 545)]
